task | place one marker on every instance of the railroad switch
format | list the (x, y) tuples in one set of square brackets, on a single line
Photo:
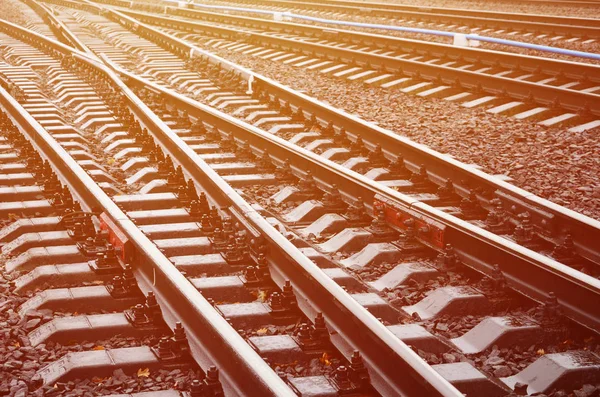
[(210, 385), (308, 188), (284, 307), (199, 208), (198, 128), (447, 195), (218, 240), (92, 246), (262, 267), (333, 202), (350, 381), (285, 173), (258, 246), (236, 252), (265, 162), (377, 159), (244, 152), (184, 119), (298, 115), (104, 264), (358, 148), (566, 253), (357, 215), (407, 241), (495, 282), (312, 122), (497, 220), (206, 225), (124, 286), (313, 339), (398, 168), (380, 229), (494, 287), (447, 260), (213, 135), (174, 351), (471, 208), (420, 180), (147, 315), (252, 277), (525, 235)]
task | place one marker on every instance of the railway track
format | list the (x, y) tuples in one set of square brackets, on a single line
[(47, 247), (160, 214), (386, 249), (562, 3), (475, 21), (282, 120), (527, 88)]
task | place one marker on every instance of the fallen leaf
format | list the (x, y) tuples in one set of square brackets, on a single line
[(262, 331), (541, 352), (143, 373), (325, 359), (98, 348), (262, 296)]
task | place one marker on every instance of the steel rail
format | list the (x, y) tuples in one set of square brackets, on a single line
[(58, 27), (545, 214), (394, 368), (528, 272), (561, 3), (571, 26), (572, 100), (554, 67), (212, 340), (585, 230), (532, 274)]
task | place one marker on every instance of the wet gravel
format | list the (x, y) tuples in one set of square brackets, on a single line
[(550, 162)]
